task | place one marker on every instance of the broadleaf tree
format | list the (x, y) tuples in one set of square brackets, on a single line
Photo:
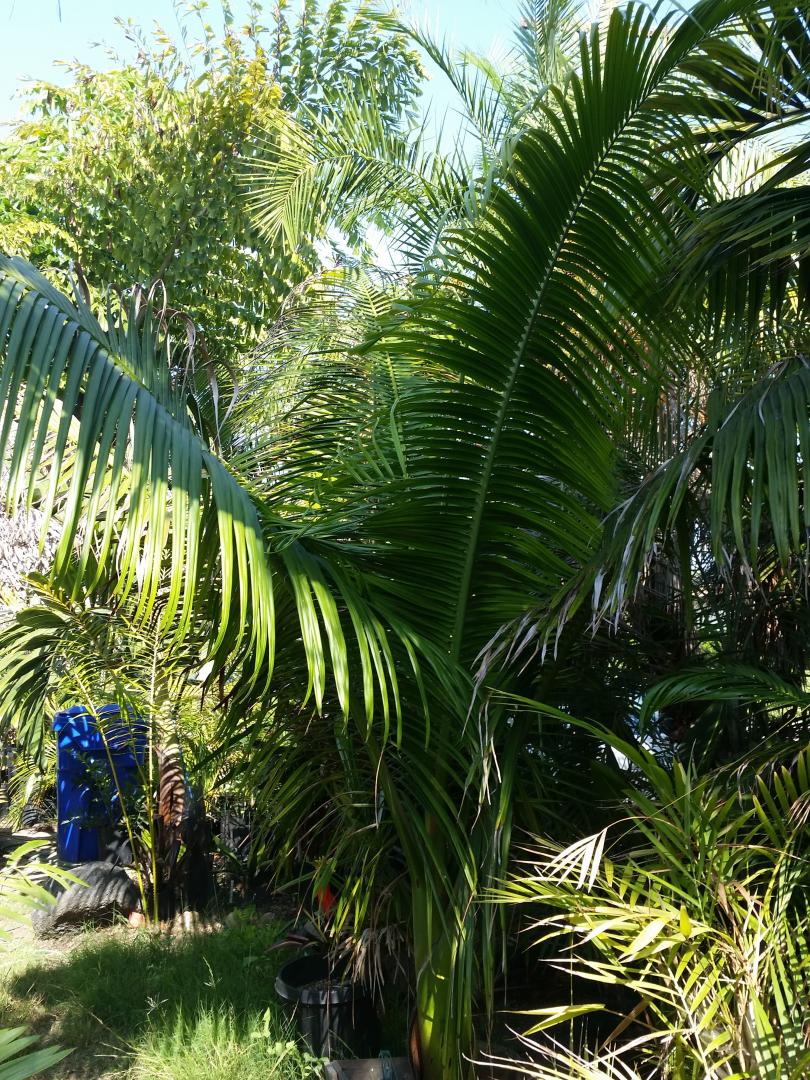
[(135, 173)]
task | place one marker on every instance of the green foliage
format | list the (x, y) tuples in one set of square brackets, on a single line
[(22, 884), (336, 51), (545, 345), (699, 909), (87, 648), (210, 1046), (162, 1003), (33, 782), (424, 474), (741, 470), (348, 169), (117, 373), (139, 403), (701, 562), (132, 174), (17, 1058), (135, 174)]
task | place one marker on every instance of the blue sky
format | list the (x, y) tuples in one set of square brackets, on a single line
[(35, 33)]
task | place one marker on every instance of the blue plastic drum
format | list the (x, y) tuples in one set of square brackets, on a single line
[(97, 760)]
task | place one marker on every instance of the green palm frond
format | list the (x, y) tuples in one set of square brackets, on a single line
[(689, 903), (751, 254), (487, 112), (747, 467), (109, 397), (547, 38), (23, 884), (543, 332), (22, 891), (320, 405), (75, 644), (101, 427), (780, 36), (348, 169), (723, 683), (25, 674), (19, 1059)]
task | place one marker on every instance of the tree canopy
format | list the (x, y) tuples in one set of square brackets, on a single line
[(136, 173)]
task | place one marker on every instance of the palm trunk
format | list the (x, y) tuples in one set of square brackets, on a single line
[(443, 1002)]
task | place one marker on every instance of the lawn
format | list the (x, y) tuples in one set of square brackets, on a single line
[(141, 1005)]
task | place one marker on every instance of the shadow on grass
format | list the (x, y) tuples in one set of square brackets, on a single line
[(164, 1007)]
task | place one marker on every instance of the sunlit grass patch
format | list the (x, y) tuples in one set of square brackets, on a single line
[(214, 1045), (147, 1005)]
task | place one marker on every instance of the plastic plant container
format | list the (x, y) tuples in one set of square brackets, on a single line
[(335, 1016)]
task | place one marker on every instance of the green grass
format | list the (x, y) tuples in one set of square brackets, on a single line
[(140, 1006), (211, 1044)]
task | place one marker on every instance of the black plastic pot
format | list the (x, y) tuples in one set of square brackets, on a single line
[(335, 1016)]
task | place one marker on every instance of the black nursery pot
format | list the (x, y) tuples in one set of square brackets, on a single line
[(335, 1016)]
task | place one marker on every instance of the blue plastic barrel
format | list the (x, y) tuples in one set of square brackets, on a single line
[(87, 796)]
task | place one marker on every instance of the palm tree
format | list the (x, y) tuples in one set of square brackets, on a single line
[(539, 346), (718, 975)]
